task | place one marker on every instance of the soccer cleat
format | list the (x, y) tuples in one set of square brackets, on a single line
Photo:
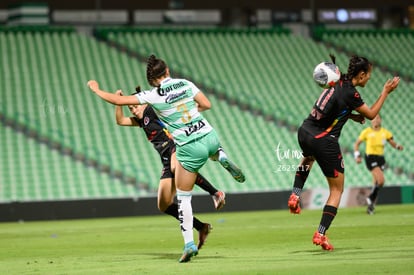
[(232, 168), (190, 250), (203, 234), (322, 240), (219, 199), (294, 204), (371, 207)]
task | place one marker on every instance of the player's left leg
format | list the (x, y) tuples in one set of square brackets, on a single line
[(185, 181), (166, 193), (336, 188), (189, 159)]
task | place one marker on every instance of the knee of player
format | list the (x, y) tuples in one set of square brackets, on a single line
[(162, 206), (162, 209)]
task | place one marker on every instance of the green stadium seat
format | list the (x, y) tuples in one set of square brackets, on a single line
[(245, 74)]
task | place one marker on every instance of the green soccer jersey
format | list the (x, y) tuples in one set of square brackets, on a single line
[(175, 106)]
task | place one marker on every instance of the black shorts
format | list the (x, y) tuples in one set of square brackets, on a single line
[(373, 161), (325, 150), (165, 155)]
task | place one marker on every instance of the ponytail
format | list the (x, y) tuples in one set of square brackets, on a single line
[(333, 58), (156, 68)]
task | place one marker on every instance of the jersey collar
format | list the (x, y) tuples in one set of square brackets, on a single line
[(165, 80)]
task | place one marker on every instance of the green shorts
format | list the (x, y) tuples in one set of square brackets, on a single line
[(195, 154)]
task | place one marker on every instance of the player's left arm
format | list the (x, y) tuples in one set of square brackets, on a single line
[(202, 101), (357, 118), (112, 98), (394, 144)]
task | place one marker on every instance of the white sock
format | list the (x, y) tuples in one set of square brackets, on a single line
[(185, 215), (221, 154)]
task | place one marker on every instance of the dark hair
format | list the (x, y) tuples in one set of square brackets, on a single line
[(155, 68), (333, 58), (356, 65), (137, 90)]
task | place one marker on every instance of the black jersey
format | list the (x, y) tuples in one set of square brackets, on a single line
[(155, 130), (332, 109)]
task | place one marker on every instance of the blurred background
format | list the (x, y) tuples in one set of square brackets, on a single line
[(63, 156)]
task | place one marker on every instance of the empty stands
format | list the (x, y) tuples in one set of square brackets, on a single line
[(62, 142)]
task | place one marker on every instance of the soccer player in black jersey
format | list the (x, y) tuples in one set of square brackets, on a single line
[(145, 117), (319, 133)]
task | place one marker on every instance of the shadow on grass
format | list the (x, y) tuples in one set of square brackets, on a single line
[(176, 256), (320, 251)]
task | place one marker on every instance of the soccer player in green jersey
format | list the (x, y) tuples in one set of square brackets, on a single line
[(179, 103)]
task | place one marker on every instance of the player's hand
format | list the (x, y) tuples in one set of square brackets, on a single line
[(391, 84), (358, 160), (358, 118), (93, 85), (119, 92)]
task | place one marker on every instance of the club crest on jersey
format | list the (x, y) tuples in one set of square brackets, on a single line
[(146, 120)]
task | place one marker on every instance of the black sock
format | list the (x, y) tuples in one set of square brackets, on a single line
[(205, 184), (374, 193), (300, 179), (329, 213), (172, 210), (197, 224)]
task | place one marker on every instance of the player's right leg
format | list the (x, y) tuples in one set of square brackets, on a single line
[(301, 175), (378, 177), (217, 195), (166, 193), (227, 164)]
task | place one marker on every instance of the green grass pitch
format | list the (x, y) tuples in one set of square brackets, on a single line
[(265, 242)]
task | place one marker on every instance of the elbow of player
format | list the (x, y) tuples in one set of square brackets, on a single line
[(369, 116), (117, 101), (206, 106)]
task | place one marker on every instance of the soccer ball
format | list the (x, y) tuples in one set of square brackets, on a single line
[(326, 74)]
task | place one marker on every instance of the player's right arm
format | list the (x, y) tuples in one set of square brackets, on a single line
[(112, 98), (357, 154), (202, 102)]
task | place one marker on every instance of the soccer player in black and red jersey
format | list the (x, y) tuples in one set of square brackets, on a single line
[(145, 117), (319, 134)]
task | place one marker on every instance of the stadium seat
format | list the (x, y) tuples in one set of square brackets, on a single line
[(259, 83)]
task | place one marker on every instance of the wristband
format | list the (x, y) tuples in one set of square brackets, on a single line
[(357, 154)]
